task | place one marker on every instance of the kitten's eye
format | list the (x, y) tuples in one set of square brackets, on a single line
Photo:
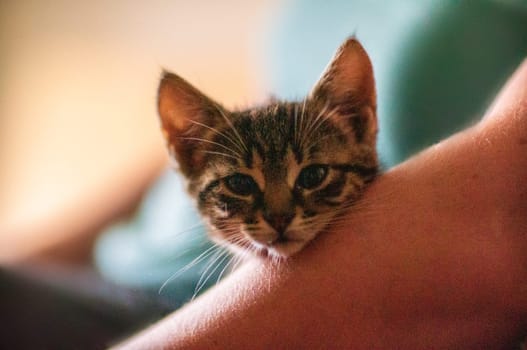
[(241, 184), (312, 176)]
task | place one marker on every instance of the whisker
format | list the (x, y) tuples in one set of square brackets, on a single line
[(198, 227), (295, 126), (216, 131), (183, 252), (190, 239), (224, 269), (302, 121), (240, 259), (195, 261), (316, 125), (233, 128), (306, 131), (213, 143), (217, 253), (210, 263), (202, 282), (221, 154)]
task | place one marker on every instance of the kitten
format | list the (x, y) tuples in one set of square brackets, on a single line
[(269, 179)]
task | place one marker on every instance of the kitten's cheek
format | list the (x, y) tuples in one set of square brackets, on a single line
[(304, 235)]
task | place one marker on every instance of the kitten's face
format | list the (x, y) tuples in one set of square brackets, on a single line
[(270, 179)]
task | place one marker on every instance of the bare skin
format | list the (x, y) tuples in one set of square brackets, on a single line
[(434, 257)]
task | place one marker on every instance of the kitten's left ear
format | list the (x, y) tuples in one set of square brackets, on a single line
[(348, 85), (187, 115)]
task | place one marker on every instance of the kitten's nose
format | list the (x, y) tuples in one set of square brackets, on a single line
[(279, 221)]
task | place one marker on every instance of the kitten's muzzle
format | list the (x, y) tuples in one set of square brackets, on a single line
[(279, 222)]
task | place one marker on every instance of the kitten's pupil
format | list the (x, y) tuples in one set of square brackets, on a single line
[(241, 184), (312, 176)]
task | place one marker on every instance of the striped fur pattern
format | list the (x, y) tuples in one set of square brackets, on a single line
[(269, 179)]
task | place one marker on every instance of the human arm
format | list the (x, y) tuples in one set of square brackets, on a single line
[(434, 256)]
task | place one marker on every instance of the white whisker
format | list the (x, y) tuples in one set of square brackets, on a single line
[(227, 137), (191, 264), (316, 125), (224, 269), (212, 143), (221, 154), (233, 128), (203, 281), (302, 121), (306, 130), (196, 228)]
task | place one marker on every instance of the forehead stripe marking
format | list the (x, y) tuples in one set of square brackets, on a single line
[(210, 187)]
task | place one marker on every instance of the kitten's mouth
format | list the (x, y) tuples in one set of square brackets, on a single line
[(279, 240), (282, 247)]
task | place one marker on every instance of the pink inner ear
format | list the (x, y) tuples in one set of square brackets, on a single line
[(352, 72), (349, 75), (172, 107), (180, 107)]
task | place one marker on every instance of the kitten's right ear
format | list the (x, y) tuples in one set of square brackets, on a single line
[(186, 114), (348, 84)]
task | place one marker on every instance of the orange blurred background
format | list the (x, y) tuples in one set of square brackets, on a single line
[(79, 136)]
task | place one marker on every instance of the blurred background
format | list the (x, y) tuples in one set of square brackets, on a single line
[(83, 180), (79, 133), (79, 138)]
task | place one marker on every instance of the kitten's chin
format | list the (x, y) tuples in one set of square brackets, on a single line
[(281, 250), (285, 249)]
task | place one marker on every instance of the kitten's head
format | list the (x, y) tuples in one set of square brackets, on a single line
[(269, 179)]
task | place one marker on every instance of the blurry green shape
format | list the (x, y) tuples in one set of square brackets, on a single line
[(450, 68)]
